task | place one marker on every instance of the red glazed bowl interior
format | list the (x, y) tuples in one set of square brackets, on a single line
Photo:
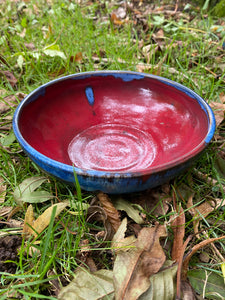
[(110, 124)]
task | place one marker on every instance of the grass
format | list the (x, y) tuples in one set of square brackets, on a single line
[(189, 51)]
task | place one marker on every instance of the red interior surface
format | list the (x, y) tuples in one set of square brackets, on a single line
[(175, 121)]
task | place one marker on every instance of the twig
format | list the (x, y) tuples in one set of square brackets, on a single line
[(179, 269), (194, 250), (176, 6), (67, 229)]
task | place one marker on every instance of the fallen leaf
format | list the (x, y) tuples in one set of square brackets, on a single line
[(96, 213), (120, 233), (218, 109), (25, 192), (111, 212), (149, 51), (84, 256), (54, 53), (99, 285), (187, 292), (8, 139), (119, 242), (20, 96), (222, 97), (202, 210), (163, 285), (91, 286), (2, 190), (35, 227), (77, 58), (54, 281), (10, 77), (159, 34), (28, 221), (115, 20), (207, 284), (132, 212), (178, 227), (132, 269), (5, 210), (155, 201), (7, 103), (194, 249), (12, 223), (44, 219)]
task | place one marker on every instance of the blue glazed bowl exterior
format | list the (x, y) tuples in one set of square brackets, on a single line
[(108, 182)]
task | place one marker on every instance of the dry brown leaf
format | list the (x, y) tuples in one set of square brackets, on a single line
[(8, 102), (10, 77), (97, 214), (77, 58), (55, 283), (35, 227), (84, 256), (43, 220), (150, 51), (155, 201), (111, 212), (115, 20), (178, 227), (203, 209), (218, 109), (222, 97), (187, 291), (20, 96), (119, 242), (133, 268), (120, 233), (2, 190), (28, 221), (159, 34), (12, 223), (5, 210)]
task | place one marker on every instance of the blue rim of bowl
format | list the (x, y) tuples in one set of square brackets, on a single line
[(103, 174)]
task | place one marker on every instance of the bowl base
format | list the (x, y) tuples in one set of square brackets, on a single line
[(112, 148)]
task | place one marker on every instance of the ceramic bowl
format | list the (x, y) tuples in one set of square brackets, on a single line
[(119, 131)]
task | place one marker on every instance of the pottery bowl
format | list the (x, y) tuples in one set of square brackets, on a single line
[(119, 131)]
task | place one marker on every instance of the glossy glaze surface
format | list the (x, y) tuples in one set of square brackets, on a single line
[(124, 121), (114, 123)]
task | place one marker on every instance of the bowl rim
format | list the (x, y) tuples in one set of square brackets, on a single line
[(113, 174)]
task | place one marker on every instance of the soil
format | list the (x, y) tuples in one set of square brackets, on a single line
[(9, 253)]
